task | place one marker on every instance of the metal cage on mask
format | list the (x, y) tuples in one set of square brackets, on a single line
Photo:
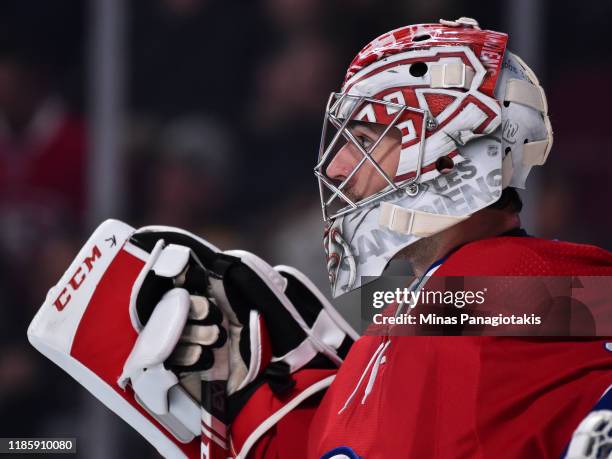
[(342, 109), (454, 158)]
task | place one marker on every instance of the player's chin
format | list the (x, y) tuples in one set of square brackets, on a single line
[(356, 195), (353, 195)]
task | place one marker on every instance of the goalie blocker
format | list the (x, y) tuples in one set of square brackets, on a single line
[(117, 316)]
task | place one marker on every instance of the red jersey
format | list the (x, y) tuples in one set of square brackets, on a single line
[(470, 397), (460, 397)]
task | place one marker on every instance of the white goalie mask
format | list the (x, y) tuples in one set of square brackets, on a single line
[(431, 123)]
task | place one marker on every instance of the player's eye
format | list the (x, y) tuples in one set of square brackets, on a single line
[(365, 142)]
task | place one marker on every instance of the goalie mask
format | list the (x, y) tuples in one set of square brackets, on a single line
[(431, 123)]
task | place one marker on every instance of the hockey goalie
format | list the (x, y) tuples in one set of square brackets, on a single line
[(217, 354)]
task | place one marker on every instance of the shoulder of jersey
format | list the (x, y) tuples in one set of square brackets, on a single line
[(527, 256)]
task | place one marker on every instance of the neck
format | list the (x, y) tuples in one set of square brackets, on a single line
[(483, 224)]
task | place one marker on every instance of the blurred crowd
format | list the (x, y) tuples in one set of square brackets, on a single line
[(223, 115)]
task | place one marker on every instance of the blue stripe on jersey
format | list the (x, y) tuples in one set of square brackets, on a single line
[(605, 402), (341, 452)]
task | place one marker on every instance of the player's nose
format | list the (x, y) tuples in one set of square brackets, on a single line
[(342, 163)]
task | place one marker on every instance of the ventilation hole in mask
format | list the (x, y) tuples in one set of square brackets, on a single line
[(444, 165), (506, 103), (418, 69), (526, 141), (421, 37), (507, 150)]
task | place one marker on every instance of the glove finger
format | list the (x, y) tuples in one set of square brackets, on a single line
[(221, 339), (214, 316), (185, 355), (204, 335), (205, 362), (194, 279), (199, 308)]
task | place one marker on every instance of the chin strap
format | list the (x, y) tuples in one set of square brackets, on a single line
[(415, 222)]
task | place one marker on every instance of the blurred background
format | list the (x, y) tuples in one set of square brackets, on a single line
[(206, 114)]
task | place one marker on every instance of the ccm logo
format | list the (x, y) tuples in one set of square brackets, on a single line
[(77, 279)]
